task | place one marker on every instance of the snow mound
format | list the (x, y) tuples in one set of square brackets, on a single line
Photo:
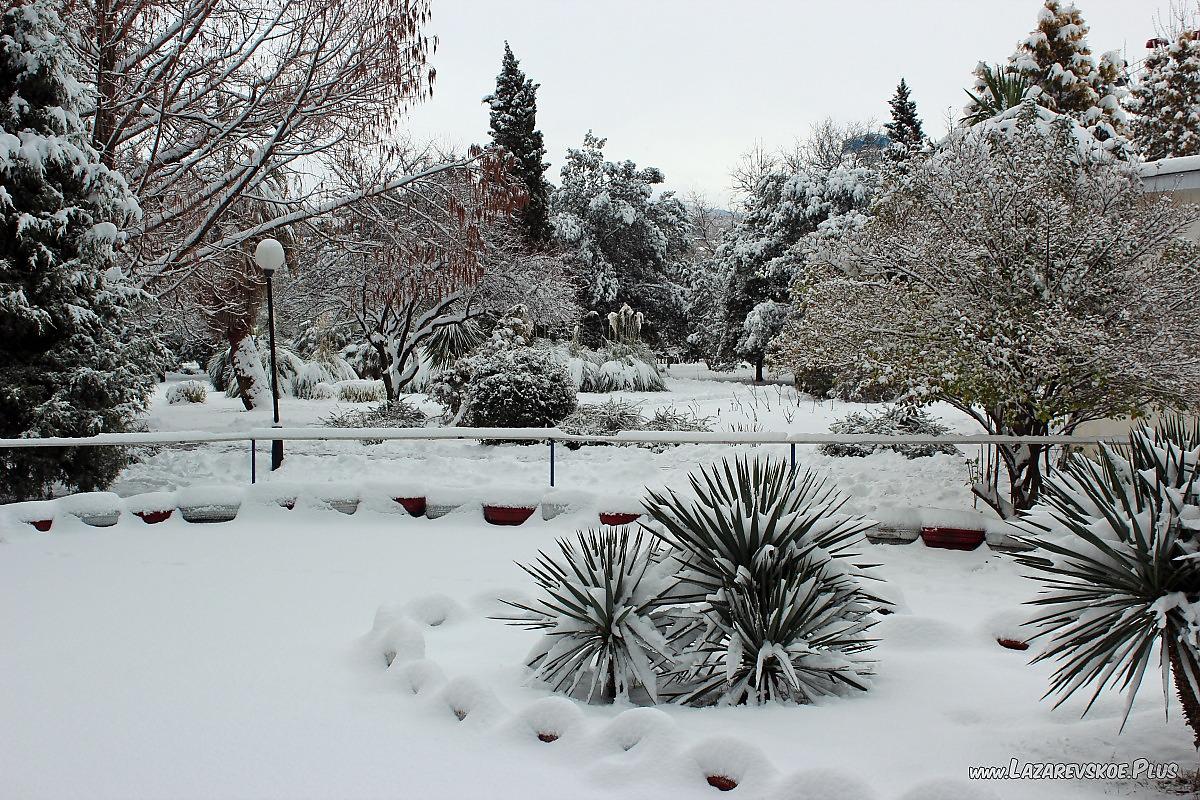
[(949, 789), (1008, 624), (471, 701), (434, 610), (640, 730), (905, 632), (418, 677), (823, 784), (148, 502), (732, 759), (396, 638), (550, 719)]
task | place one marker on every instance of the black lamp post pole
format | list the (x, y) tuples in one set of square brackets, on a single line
[(277, 444)]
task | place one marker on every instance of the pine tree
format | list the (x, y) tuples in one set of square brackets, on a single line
[(1058, 64), (67, 367), (514, 127), (905, 129), (1167, 99)]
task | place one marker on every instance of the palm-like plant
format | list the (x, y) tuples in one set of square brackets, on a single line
[(599, 609), (1002, 89), (1118, 556), (766, 572)]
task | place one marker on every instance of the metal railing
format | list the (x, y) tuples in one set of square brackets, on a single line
[(550, 436)]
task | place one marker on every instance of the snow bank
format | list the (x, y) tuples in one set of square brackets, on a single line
[(822, 784)]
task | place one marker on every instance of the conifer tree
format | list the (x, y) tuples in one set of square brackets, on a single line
[(1057, 62), (66, 370), (1167, 99), (514, 127), (905, 129)]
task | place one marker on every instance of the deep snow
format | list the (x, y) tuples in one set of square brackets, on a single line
[(239, 660)]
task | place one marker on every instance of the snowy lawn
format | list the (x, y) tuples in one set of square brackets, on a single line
[(232, 661)]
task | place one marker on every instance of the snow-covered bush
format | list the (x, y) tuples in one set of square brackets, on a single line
[(360, 391), (392, 414), (506, 383), (325, 367), (599, 609), (1118, 554), (518, 388), (187, 392), (895, 421), (603, 419), (771, 601), (613, 416)]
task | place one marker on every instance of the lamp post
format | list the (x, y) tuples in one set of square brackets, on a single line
[(269, 257)]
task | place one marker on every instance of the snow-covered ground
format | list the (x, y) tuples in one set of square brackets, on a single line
[(233, 660), (885, 485)]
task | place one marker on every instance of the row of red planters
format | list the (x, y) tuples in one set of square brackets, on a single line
[(496, 515)]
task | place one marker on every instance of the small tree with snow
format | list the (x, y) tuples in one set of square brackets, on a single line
[(904, 129), (1021, 275), (625, 240), (1057, 61), (1166, 99), (68, 370)]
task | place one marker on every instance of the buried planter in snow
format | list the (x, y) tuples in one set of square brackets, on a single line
[(415, 506), (38, 513), (99, 509), (507, 515), (952, 538), (209, 503), (1012, 644), (617, 517), (151, 507)]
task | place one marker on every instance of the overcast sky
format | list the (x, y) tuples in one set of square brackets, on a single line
[(689, 85)]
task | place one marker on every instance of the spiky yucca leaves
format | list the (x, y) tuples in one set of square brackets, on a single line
[(1118, 557), (599, 611), (772, 604), (1002, 89)]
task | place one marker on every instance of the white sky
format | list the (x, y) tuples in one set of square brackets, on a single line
[(689, 85)]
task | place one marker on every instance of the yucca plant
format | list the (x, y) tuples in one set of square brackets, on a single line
[(1005, 89), (1117, 539), (768, 593), (599, 608)]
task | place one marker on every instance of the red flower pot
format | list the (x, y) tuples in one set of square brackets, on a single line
[(548, 737), (151, 517), (1013, 644), (952, 538), (503, 515), (413, 505), (617, 518), (42, 525)]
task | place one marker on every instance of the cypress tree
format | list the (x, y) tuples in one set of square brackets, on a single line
[(905, 129), (514, 127), (66, 370)]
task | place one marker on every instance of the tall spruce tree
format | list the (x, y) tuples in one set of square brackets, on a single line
[(1166, 101), (905, 129), (64, 367), (514, 127), (1056, 59)]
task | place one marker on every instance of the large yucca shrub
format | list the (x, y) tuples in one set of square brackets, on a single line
[(599, 609), (1117, 554), (768, 585)]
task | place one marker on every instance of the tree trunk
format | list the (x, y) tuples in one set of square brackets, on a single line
[(758, 370), (253, 384), (1185, 690)]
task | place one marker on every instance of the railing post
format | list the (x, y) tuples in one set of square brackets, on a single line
[(793, 458), (552, 463), (253, 462)]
